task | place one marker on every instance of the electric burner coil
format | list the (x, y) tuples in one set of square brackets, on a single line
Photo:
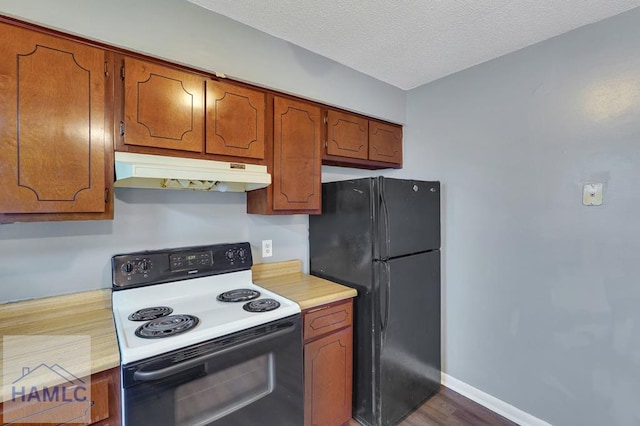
[(167, 326)]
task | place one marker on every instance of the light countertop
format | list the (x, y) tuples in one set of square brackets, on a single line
[(288, 280), (85, 314)]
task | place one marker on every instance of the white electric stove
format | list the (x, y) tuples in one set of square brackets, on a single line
[(165, 300), (200, 344)]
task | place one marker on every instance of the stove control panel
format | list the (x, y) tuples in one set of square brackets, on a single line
[(160, 266), (191, 260)]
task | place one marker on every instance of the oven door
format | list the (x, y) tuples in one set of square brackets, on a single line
[(253, 377)]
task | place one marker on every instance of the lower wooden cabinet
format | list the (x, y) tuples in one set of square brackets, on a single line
[(104, 405), (328, 364), (112, 398)]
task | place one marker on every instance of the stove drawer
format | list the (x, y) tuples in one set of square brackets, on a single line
[(327, 318)]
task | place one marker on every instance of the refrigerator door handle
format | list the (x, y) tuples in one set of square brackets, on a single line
[(385, 221), (385, 303)]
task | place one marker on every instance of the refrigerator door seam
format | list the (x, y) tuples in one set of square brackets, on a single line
[(385, 221)]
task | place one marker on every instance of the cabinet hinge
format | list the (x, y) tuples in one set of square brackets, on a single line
[(122, 72), (106, 195), (106, 69), (122, 128)]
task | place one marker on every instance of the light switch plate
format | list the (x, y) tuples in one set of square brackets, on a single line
[(592, 194)]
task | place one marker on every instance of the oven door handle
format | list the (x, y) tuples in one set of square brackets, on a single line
[(147, 376)]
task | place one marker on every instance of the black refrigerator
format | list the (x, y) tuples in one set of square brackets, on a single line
[(381, 236)]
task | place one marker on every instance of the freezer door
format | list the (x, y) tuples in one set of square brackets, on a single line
[(409, 217), (341, 238), (410, 334)]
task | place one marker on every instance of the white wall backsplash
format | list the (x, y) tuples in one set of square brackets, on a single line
[(50, 258)]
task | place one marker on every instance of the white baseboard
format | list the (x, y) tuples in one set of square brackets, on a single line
[(492, 403)]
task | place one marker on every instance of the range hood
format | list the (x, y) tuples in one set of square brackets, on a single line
[(161, 172)]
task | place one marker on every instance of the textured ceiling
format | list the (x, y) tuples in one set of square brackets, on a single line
[(407, 43)]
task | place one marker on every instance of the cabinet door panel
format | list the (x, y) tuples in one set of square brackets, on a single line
[(328, 379), (385, 142), (296, 163), (163, 107), (347, 135), (235, 120), (52, 114)]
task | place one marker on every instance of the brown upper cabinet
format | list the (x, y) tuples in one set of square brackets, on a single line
[(385, 142), (166, 108), (347, 135), (55, 103), (235, 120), (294, 156), (66, 103), (163, 107), (357, 141)]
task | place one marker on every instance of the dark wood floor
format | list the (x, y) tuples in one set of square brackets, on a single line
[(451, 409)]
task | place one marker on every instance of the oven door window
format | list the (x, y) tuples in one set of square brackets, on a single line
[(202, 401), (254, 377)]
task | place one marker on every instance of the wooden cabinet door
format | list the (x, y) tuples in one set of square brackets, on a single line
[(104, 404), (355, 141), (52, 124), (296, 155), (385, 142), (235, 120), (347, 135), (163, 107), (110, 399), (328, 379)]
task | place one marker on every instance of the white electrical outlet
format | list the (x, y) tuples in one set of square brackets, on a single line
[(267, 248), (592, 194)]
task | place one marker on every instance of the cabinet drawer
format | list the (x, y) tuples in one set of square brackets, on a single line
[(327, 318)]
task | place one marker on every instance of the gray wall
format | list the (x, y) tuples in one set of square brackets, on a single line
[(41, 259), (541, 294)]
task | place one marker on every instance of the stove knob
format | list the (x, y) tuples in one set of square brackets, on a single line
[(127, 268), (229, 254), (144, 265), (242, 253)]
